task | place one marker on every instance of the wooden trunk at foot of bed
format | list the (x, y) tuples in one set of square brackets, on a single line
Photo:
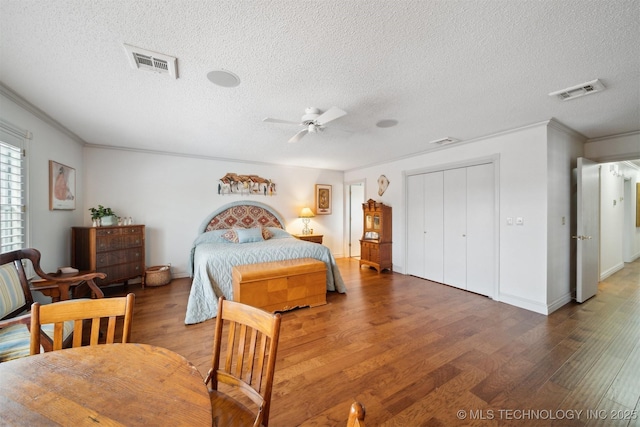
[(281, 285)]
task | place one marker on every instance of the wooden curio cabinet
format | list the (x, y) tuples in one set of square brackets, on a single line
[(117, 251), (375, 246)]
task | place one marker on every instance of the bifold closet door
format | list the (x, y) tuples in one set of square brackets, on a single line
[(415, 221), (425, 225), (455, 227), (480, 229), (434, 227)]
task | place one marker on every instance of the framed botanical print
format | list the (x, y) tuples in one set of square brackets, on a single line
[(323, 199), (62, 186)]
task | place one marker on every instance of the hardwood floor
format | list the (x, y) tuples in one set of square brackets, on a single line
[(416, 353)]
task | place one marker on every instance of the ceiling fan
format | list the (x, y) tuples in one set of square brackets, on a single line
[(313, 121)]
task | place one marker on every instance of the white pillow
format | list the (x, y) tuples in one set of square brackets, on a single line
[(248, 235)]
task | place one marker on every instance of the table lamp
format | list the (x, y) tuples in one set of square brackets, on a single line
[(306, 214)]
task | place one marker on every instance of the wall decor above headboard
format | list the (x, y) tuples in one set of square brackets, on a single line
[(246, 185), (242, 214)]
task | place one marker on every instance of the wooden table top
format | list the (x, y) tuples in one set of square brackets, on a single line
[(111, 385)]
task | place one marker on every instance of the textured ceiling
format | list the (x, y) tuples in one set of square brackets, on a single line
[(463, 69)]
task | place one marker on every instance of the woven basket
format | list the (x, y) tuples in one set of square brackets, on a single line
[(158, 275)]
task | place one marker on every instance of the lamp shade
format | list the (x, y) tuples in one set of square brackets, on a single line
[(306, 213)]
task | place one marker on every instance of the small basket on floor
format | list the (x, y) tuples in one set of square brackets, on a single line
[(158, 275)]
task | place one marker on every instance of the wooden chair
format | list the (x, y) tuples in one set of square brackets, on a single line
[(16, 300), (78, 311), (356, 415), (248, 366)]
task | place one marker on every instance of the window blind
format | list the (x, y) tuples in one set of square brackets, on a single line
[(12, 192)]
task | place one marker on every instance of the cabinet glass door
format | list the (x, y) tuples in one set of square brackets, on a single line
[(376, 222)]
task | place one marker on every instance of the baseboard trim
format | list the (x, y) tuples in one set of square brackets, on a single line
[(560, 302), (611, 271), (524, 303)]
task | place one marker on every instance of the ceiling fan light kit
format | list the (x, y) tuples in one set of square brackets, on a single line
[(313, 121)]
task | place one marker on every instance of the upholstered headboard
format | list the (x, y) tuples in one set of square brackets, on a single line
[(244, 214)]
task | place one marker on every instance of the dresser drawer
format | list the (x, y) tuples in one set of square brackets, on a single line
[(120, 273), (105, 259), (110, 243)]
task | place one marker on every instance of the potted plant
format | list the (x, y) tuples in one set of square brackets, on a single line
[(106, 216)]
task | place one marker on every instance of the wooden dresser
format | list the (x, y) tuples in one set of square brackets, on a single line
[(117, 251), (375, 246)]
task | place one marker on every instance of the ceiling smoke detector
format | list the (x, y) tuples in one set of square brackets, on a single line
[(141, 59), (579, 90), (444, 141)]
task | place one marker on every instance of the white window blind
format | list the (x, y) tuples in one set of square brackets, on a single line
[(12, 191)]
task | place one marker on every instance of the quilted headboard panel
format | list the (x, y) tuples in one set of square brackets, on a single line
[(243, 214)]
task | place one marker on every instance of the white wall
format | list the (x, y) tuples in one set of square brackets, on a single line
[(617, 147), (523, 193), (564, 147), (48, 231), (172, 195)]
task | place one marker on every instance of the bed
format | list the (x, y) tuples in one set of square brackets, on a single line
[(243, 232)]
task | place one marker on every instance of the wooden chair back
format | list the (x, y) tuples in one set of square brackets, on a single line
[(245, 361), (78, 311), (356, 415)]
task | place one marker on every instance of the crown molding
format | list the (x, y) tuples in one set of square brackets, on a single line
[(10, 94)]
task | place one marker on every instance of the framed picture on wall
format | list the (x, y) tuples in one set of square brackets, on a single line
[(323, 199), (62, 186)]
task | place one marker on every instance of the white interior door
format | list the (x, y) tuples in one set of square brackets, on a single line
[(480, 229), (587, 232), (455, 232)]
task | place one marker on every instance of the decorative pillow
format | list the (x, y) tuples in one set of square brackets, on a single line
[(248, 235), (230, 235), (266, 234)]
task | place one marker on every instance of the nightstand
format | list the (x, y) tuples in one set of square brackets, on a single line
[(315, 238)]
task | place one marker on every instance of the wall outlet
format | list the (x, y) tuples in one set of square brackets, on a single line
[(519, 221)]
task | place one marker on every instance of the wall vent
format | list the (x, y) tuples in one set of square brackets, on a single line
[(444, 141), (141, 59), (579, 90)]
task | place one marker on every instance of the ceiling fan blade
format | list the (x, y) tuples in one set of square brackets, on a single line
[(329, 115), (298, 136), (288, 122)]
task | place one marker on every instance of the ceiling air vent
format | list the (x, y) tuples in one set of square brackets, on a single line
[(141, 59), (444, 141), (579, 90)]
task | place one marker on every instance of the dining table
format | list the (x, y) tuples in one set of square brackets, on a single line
[(109, 385)]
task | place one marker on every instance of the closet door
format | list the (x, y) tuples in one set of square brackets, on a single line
[(415, 225), (455, 232), (434, 227), (480, 229)]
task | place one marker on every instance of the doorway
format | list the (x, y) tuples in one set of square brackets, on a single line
[(355, 191)]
